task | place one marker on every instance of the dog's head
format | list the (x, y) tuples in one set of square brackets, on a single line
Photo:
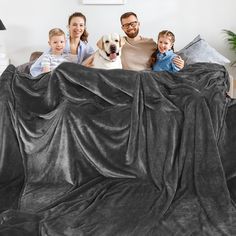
[(110, 46)]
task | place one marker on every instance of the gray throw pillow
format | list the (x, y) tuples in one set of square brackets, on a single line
[(199, 50)]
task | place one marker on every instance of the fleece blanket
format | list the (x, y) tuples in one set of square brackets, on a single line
[(113, 152)]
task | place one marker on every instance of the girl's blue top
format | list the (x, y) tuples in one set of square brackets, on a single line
[(165, 62)]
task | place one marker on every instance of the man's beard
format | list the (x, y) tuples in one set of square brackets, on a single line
[(133, 34)]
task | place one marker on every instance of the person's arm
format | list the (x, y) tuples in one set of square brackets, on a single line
[(45, 64), (36, 67), (179, 62), (88, 62), (88, 52)]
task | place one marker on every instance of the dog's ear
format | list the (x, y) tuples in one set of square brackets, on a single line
[(100, 43), (122, 41)]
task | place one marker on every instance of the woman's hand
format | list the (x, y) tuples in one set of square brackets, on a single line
[(89, 61)]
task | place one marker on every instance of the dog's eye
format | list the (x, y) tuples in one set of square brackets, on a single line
[(107, 41), (116, 40)]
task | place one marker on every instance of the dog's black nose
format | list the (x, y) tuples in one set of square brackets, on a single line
[(113, 48)]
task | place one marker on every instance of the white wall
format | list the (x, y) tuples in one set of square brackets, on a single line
[(28, 21)]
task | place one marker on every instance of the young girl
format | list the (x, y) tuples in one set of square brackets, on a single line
[(162, 58)]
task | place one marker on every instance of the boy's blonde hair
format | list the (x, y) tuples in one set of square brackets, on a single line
[(55, 32)]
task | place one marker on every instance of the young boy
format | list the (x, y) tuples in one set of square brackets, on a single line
[(56, 55)]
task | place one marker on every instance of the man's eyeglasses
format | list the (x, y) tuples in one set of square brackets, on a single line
[(132, 24)]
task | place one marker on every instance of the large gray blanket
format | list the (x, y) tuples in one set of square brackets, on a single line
[(115, 152)]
